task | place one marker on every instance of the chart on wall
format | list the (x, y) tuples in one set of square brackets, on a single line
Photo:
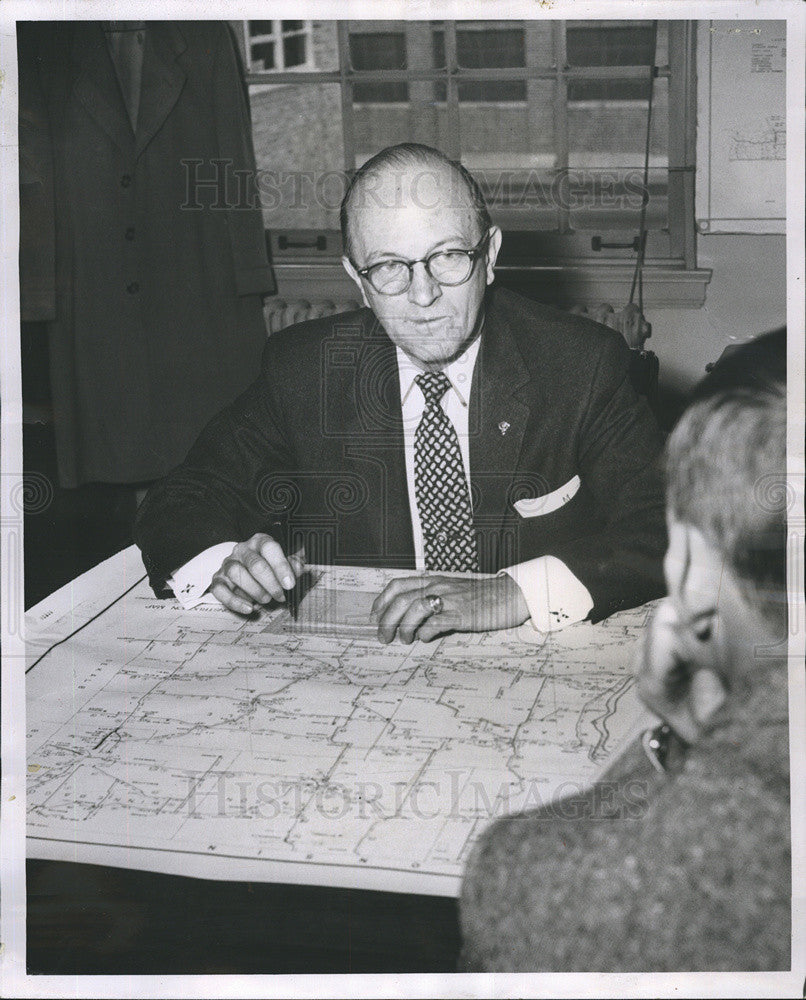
[(741, 127)]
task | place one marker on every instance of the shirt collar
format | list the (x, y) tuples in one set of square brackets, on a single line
[(463, 365)]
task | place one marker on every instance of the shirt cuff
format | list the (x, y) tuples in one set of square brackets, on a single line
[(554, 596), (190, 582)]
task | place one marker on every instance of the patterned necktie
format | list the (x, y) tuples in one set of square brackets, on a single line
[(440, 486)]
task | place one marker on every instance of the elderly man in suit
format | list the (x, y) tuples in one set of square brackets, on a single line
[(447, 426), (678, 858)]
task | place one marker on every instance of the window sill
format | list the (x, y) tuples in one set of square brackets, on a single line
[(664, 286)]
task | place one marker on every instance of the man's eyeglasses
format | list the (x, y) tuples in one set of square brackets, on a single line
[(448, 267)]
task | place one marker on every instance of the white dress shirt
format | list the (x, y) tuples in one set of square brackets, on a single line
[(554, 595)]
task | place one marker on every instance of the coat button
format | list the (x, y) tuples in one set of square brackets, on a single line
[(133, 287), (125, 180), (130, 233), (442, 537)]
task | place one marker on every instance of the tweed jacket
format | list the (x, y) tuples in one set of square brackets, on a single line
[(645, 872)]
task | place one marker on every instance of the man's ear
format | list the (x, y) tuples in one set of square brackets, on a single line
[(493, 247), (694, 574), (356, 277), (696, 578)]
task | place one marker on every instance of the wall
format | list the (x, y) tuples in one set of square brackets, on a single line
[(746, 296)]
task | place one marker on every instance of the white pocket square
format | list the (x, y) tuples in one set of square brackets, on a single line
[(549, 502)]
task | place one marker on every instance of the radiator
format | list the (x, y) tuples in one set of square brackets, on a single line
[(280, 313)]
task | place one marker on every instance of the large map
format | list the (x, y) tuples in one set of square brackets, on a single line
[(201, 743)]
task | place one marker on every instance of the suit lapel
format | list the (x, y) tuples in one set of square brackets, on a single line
[(501, 403), (163, 79), (97, 86), (373, 422)]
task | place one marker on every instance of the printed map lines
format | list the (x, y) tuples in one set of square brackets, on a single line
[(612, 696), (220, 738)]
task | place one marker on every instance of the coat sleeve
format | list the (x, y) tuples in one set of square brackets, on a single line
[(218, 493), (619, 460)]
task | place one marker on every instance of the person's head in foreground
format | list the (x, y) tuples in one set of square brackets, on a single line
[(726, 613)]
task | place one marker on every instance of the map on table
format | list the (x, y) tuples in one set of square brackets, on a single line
[(201, 743)]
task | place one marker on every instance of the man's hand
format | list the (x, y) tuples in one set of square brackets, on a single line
[(256, 572), (678, 672), (482, 605)]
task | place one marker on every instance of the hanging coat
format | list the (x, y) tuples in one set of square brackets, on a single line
[(157, 251)]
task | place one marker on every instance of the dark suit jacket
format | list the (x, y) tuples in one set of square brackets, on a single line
[(153, 287), (314, 449)]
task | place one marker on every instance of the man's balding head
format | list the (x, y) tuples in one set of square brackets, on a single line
[(417, 163)]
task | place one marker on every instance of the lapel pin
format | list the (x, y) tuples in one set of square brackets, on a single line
[(504, 427)]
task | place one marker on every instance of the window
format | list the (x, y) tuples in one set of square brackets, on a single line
[(551, 117), (274, 46), (379, 50), (620, 43)]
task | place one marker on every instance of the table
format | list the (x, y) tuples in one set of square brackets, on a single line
[(279, 794)]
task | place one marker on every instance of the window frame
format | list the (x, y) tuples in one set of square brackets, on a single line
[(562, 248), (277, 37)]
